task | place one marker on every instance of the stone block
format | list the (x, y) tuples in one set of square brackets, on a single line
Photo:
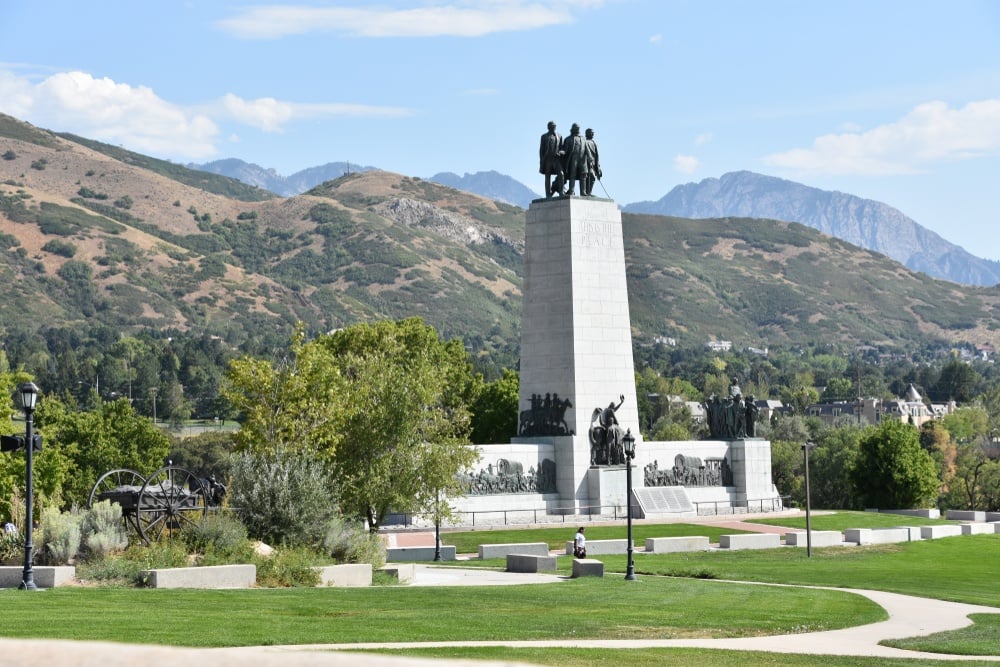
[(587, 567), (819, 538), (929, 513), (404, 573), (212, 576), (530, 563), (978, 528), (942, 530), (504, 550), (993, 516), (348, 575), (601, 547), (965, 515), (750, 541), (876, 535), (403, 554), (44, 576), (667, 545), (913, 531)]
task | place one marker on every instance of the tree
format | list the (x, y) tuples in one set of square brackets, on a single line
[(891, 471), (829, 464), (958, 381), (966, 424), (297, 403), (976, 483), (406, 432), (495, 409), (110, 436)]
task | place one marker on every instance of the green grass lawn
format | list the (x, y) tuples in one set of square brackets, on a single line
[(842, 520), (589, 608), (666, 657), (467, 542)]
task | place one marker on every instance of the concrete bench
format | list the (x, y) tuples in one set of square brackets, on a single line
[(943, 530), (818, 538), (750, 541), (993, 516), (965, 515), (914, 532), (348, 575), (876, 535), (978, 528), (669, 545), (396, 554), (601, 547), (587, 567), (530, 563), (404, 573), (212, 576), (44, 576), (504, 550)]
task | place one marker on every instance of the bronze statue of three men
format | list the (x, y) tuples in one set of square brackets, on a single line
[(570, 160)]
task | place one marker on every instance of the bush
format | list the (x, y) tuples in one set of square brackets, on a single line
[(11, 547), (220, 536), (285, 498), (102, 530), (353, 544), (288, 567), (61, 248), (59, 541)]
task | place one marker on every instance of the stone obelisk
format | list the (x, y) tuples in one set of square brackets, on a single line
[(576, 337)]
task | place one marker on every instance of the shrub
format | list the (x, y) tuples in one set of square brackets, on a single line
[(347, 543), (102, 530), (10, 155), (288, 567), (284, 497), (11, 547), (59, 536), (39, 164), (61, 248), (123, 202), (220, 535)]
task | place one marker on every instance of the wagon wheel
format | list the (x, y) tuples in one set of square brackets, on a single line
[(112, 480), (171, 500)]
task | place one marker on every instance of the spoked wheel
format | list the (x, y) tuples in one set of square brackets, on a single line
[(171, 500), (114, 483)]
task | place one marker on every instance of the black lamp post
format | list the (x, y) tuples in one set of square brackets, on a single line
[(437, 525), (628, 441), (29, 396), (806, 448)]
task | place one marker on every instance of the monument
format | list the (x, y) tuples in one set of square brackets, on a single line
[(577, 378), (576, 337)]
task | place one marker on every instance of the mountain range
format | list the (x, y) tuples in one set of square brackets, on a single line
[(863, 222), (95, 235)]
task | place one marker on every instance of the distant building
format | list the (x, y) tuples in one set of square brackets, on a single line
[(719, 345), (669, 341), (909, 408)]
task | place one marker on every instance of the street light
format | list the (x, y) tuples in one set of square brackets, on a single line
[(628, 441), (806, 448), (29, 396)]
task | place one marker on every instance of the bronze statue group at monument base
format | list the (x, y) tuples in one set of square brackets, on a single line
[(569, 160)]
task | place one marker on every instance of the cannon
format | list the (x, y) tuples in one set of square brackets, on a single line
[(168, 501)]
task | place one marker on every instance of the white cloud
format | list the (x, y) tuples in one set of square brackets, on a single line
[(456, 19), (135, 117), (703, 138), (686, 164), (108, 111), (481, 92), (929, 134), (269, 114), (656, 39)]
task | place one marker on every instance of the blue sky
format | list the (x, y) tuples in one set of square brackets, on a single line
[(893, 100)]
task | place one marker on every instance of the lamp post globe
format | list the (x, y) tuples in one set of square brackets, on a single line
[(29, 398), (628, 443)]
